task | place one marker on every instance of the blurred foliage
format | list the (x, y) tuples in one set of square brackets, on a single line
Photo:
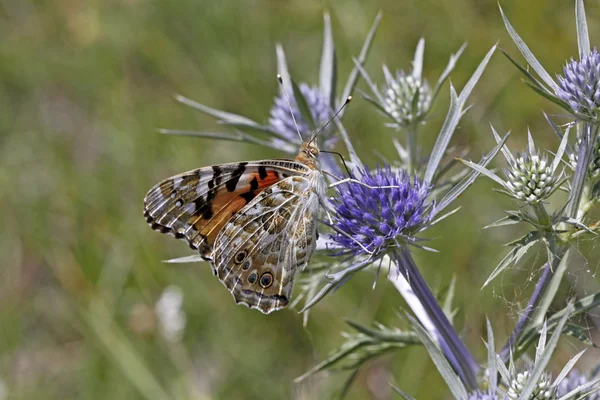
[(84, 86)]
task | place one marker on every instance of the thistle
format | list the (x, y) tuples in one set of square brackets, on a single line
[(374, 219), (530, 177), (282, 123), (406, 97), (543, 389), (580, 85)]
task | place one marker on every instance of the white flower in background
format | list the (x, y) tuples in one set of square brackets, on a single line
[(171, 318)]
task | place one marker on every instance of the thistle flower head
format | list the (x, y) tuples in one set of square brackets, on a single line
[(543, 388), (406, 97), (530, 177), (281, 121), (580, 85), (373, 217), (574, 380)]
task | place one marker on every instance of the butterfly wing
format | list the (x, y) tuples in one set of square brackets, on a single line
[(259, 250), (194, 206)]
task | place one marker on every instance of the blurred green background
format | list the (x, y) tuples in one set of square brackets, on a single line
[(84, 86)]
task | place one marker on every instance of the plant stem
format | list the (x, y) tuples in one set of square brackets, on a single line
[(417, 294)]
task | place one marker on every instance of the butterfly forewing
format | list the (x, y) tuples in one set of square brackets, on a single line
[(259, 250), (194, 206)]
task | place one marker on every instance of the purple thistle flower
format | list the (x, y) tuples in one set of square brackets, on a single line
[(580, 85), (281, 121), (375, 218), (573, 380)]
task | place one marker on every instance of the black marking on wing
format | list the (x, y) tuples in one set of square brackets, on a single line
[(235, 176), (248, 196), (262, 172)]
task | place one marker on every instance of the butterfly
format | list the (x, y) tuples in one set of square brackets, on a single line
[(256, 222)]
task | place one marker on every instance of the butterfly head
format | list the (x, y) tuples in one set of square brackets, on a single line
[(309, 154)]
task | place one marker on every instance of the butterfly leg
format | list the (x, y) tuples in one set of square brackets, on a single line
[(352, 180), (341, 181)]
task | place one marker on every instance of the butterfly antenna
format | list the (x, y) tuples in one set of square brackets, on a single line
[(287, 99), (348, 100)]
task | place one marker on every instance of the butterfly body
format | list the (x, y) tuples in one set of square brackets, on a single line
[(256, 222)]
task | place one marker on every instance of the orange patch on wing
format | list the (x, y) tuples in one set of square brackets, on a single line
[(226, 204)]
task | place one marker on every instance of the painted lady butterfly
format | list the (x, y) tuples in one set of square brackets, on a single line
[(256, 222)]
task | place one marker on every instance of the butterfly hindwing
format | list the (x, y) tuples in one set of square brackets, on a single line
[(259, 250)]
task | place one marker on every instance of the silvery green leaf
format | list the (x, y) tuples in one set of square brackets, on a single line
[(527, 54), (566, 369), (470, 85), (443, 217), (531, 79), (336, 280), (452, 118), (223, 116), (584, 157), (376, 104), (282, 68), (368, 80), (362, 57), (187, 259), (483, 171), (236, 137), (549, 96), (303, 106), (385, 334), (510, 220), (505, 374), (452, 380), (541, 362), (505, 151), (451, 64), (561, 151), (492, 360), (400, 392), (559, 266), (514, 255), (583, 37), (441, 144), (459, 188), (417, 71), (553, 125), (327, 72), (346, 349)]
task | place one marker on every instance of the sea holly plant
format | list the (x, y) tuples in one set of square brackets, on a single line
[(406, 100), (380, 221)]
